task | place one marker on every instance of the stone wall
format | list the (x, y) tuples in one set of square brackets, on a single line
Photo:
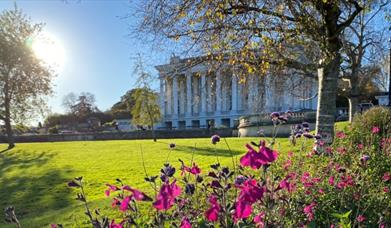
[(162, 134)]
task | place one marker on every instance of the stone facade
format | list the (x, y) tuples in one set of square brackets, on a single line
[(194, 96)]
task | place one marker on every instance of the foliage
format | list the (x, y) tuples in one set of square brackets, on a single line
[(123, 108), (146, 109), (80, 105), (24, 79), (371, 121), (346, 184), (259, 37)]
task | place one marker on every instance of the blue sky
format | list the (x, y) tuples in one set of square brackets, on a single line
[(98, 49)]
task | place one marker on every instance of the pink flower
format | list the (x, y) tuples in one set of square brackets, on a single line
[(137, 195), (259, 219), (256, 159), (286, 184), (290, 154), (375, 130), (360, 146), (341, 150), (360, 218), (124, 204), (115, 225), (386, 177), (242, 210), (111, 188), (115, 203), (345, 182), (195, 170), (250, 192), (331, 180), (167, 195), (309, 211), (212, 214), (185, 223), (340, 135), (386, 189), (287, 164)]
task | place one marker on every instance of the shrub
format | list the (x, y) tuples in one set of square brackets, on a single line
[(375, 117)]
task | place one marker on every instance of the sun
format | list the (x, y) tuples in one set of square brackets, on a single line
[(49, 49)]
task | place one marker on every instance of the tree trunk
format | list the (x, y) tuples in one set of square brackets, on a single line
[(325, 115), (8, 126), (353, 106), (153, 133)]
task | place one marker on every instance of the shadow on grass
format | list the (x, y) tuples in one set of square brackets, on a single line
[(32, 186), (211, 151)]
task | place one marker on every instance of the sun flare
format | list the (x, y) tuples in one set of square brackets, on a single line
[(50, 50)]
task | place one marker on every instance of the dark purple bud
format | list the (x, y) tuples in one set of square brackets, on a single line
[(365, 158), (189, 189), (199, 179), (167, 170), (239, 180), (212, 174), (317, 137), (283, 119), (275, 115), (215, 184), (305, 124), (225, 170), (308, 135), (73, 183), (215, 139), (215, 166), (172, 145)]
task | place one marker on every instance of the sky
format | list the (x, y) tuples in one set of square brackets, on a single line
[(99, 53)]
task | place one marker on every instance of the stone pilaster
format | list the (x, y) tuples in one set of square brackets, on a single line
[(203, 95), (188, 94), (234, 93), (175, 101), (218, 92), (161, 97)]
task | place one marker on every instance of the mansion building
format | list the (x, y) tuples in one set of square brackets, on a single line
[(194, 96)]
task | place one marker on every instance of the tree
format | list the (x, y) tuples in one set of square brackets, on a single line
[(123, 108), (305, 35), (24, 79), (146, 110), (80, 105), (362, 42)]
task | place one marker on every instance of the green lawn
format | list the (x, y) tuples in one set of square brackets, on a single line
[(33, 176)]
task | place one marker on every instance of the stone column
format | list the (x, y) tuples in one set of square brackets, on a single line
[(250, 101), (239, 96), (189, 101), (218, 92), (168, 96), (182, 96), (188, 94), (175, 100), (162, 96), (234, 92), (203, 95)]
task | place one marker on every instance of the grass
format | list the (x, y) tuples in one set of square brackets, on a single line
[(33, 176)]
